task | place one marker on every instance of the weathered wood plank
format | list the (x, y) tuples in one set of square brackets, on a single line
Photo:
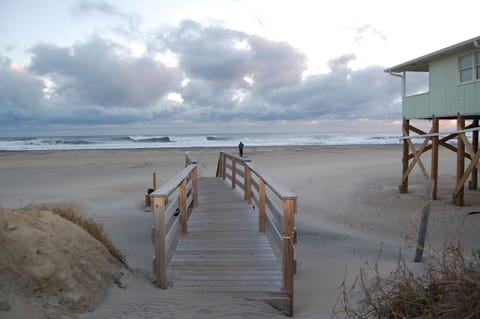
[(223, 250)]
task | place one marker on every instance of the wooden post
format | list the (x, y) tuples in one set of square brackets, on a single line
[(224, 166), (474, 182), (234, 172), (183, 205), (219, 165), (459, 196), (262, 194), (195, 186), (289, 209), (159, 235), (434, 166), (248, 184), (422, 233), (403, 188)]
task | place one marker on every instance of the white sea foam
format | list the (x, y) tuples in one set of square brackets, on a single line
[(191, 140)]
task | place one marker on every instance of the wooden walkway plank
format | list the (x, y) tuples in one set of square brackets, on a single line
[(223, 251)]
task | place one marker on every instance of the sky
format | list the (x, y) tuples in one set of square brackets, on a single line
[(148, 66)]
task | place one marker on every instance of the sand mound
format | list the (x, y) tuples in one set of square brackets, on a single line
[(49, 266)]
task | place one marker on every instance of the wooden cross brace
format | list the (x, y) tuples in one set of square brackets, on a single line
[(416, 156)]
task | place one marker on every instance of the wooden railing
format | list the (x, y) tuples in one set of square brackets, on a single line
[(266, 196), (172, 205)]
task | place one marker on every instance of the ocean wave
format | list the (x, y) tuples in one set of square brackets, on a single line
[(386, 137), (216, 138), (150, 139), (54, 141), (191, 140)]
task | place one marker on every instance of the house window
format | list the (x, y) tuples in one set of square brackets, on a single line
[(477, 65), (469, 67)]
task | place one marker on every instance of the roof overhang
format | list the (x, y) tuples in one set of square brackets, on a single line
[(421, 64)]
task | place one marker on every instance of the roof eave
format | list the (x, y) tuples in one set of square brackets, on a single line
[(421, 64)]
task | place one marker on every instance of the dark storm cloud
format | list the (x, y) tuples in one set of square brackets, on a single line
[(20, 93), (231, 75), (342, 93), (224, 56), (94, 73)]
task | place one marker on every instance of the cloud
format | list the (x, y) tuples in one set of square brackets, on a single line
[(85, 9), (229, 71), (20, 93), (97, 6), (341, 62), (99, 73), (224, 56), (343, 93), (365, 31), (222, 75)]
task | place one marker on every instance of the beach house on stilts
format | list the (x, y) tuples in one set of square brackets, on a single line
[(453, 75)]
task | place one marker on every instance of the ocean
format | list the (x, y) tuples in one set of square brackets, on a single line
[(190, 141)]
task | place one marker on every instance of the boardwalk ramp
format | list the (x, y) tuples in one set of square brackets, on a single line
[(223, 251), (211, 237)]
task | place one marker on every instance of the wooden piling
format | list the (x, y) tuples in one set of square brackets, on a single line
[(434, 166), (458, 196), (403, 188)]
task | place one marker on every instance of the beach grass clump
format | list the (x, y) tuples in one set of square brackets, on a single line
[(74, 213), (449, 288)]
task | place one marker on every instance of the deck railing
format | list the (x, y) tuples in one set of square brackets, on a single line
[(172, 205), (267, 196)]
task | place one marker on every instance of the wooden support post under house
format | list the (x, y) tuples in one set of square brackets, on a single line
[(458, 196), (474, 181), (403, 187), (434, 166)]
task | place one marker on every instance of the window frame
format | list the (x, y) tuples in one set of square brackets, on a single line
[(474, 67)]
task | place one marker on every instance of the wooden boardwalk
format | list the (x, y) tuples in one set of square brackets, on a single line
[(223, 250)]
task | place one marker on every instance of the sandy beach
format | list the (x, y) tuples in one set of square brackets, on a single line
[(348, 209)]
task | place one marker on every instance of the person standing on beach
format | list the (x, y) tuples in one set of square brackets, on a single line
[(240, 149)]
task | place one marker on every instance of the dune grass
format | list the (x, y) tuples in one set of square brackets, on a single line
[(74, 213), (449, 288)]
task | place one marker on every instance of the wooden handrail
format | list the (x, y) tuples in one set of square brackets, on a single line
[(255, 184), (167, 228), (278, 189), (190, 159)]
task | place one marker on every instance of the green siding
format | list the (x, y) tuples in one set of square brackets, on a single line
[(447, 97), (415, 105)]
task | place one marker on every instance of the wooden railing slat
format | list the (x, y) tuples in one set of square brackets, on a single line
[(279, 190), (170, 214), (275, 238), (166, 225)]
